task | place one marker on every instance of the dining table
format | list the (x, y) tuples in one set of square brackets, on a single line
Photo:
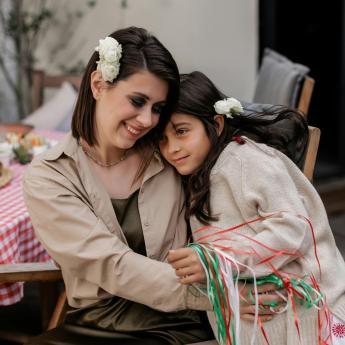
[(18, 243)]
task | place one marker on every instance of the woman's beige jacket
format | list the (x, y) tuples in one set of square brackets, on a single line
[(74, 219)]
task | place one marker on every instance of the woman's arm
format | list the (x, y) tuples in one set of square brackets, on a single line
[(88, 250), (189, 269)]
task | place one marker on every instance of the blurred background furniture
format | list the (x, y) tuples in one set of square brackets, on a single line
[(47, 274), (22, 257), (53, 101), (42, 81), (311, 152), (49, 117), (281, 81)]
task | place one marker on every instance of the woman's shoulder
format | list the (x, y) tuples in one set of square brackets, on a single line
[(68, 144), (52, 161)]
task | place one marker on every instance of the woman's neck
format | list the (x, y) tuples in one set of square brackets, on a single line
[(124, 173), (104, 155)]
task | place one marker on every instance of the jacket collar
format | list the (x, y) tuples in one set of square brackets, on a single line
[(98, 196), (67, 145)]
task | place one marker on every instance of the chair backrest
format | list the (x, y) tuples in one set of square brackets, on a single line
[(281, 81), (305, 95), (41, 81), (311, 152), (306, 162)]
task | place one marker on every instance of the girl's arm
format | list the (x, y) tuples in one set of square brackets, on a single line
[(262, 184)]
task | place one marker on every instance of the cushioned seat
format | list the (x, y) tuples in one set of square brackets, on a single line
[(56, 113), (279, 80), (295, 150)]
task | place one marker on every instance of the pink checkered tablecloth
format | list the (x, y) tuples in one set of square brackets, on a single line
[(17, 239)]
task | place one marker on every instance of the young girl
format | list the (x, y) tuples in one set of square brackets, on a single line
[(237, 178)]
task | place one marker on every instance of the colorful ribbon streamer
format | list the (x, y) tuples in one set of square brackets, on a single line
[(223, 274)]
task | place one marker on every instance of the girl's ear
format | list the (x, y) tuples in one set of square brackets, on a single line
[(220, 123), (96, 84)]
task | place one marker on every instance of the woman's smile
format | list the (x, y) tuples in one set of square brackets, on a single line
[(133, 131)]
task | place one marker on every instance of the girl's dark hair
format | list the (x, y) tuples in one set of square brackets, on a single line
[(277, 126), (140, 51)]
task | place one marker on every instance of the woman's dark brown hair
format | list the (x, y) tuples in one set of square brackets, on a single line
[(279, 127), (140, 51)]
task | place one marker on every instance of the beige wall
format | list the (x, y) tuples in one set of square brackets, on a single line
[(218, 37)]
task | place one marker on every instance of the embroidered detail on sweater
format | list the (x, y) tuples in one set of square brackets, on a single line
[(338, 330)]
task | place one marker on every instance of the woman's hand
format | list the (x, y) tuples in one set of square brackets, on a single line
[(266, 294), (187, 265)]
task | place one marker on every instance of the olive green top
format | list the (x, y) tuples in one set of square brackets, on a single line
[(119, 314), (127, 214)]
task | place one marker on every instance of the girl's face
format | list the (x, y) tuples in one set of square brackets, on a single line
[(127, 111), (185, 143)]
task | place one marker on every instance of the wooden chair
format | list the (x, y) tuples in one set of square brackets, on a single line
[(311, 152), (46, 273), (42, 81), (305, 95), (284, 82)]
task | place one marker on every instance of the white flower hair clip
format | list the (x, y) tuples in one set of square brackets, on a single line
[(229, 107), (110, 52)]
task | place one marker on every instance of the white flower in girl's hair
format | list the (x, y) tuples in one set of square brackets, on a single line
[(110, 52), (228, 107)]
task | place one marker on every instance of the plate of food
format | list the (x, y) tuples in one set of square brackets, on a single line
[(18, 128), (5, 175)]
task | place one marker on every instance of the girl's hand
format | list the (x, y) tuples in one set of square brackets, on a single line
[(187, 265), (266, 294)]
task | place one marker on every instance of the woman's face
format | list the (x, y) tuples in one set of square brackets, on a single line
[(127, 111), (185, 143)]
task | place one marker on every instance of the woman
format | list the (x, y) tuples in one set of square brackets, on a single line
[(98, 204), (237, 178)]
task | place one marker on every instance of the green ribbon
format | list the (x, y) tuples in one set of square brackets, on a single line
[(216, 296), (301, 291), (310, 296)]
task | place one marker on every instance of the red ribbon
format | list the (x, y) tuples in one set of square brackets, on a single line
[(268, 261)]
